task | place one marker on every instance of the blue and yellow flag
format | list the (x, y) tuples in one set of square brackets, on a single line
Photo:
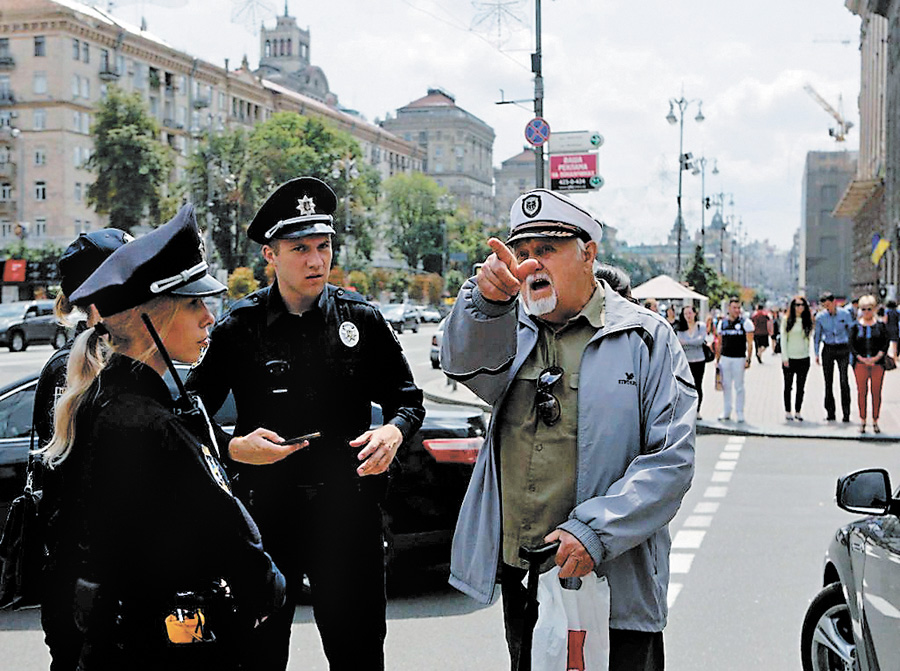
[(879, 247)]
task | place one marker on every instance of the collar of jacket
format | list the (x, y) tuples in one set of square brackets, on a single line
[(621, 314), (123, 371), (275, 306)]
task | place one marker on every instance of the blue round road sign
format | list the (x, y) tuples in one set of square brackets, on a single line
[(537, 132)]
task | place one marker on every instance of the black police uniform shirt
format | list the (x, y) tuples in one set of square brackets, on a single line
[(734, 337), (296, 374), (142, 507)]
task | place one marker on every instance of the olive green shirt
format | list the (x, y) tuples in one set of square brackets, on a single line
[(538, 463)]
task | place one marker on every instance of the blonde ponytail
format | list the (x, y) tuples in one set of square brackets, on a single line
[(90, 352)]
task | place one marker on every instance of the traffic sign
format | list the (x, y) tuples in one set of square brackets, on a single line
[(574, 142), (537, 131), (574, 172)]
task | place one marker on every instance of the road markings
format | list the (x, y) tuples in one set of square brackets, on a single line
[(692, 533)]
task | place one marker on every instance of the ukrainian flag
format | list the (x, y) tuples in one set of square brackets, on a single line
[(879, 247)]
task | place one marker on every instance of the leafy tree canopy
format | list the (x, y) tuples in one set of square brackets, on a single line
[(416, 212)]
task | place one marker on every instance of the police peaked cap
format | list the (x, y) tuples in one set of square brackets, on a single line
[(545, 214), (300, 207), (85, 255), (168, 260)]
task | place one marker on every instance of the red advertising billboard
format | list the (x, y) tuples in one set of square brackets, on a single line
[(573, 172)]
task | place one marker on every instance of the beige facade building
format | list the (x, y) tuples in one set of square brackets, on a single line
[(57, 58), (515, 176), (457, 148)]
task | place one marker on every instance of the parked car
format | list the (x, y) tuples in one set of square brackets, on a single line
[(436, 339), (422, 502), (24, 323), (401, 316), (429, 315), (852, 623)]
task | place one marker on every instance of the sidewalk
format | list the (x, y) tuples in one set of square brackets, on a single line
[(763, 408)]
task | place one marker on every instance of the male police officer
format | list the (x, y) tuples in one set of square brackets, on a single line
[(304, 356)]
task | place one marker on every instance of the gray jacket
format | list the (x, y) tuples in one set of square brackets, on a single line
[(636, 414)]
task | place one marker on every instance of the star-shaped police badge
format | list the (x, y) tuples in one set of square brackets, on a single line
[(306, 205)]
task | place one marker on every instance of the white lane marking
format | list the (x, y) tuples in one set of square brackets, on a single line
[(733, 448), (737, 440), (674, 590), (706, 508), (721, 476), (698, 521), (725, 465), (680, 562), (688, 540), (730, 456), (715, 492)]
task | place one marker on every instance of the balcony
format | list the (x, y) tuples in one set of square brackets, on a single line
[(108, 74), (8, 170), (8, 208), (7, 98), (200, 103), (7, 62)]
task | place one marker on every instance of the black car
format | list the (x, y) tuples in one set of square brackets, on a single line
[(401, 316), (24, 323), (423, 500), (852, 623)]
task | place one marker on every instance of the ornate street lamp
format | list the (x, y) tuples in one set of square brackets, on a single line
[(684, 160), (704, 201)]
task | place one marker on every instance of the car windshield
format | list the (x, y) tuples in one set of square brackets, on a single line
[(11, 310)]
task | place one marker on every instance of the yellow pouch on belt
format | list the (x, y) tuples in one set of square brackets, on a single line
[(186, 626)]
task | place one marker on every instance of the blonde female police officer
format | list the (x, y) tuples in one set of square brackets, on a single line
[(305, 356), (171, 573)]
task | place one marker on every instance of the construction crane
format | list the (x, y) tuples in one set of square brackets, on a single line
[(840, 133)]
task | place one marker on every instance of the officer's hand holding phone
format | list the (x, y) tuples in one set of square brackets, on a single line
[(262, 447)]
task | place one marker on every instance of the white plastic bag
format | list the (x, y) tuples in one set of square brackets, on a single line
[(572, 631)]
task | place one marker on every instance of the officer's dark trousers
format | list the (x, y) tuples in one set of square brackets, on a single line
[(335, 538), (628, 650), (840, 355), (58, 621)]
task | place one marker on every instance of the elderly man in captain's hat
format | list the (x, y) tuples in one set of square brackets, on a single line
[(304, 356), (592, 435)]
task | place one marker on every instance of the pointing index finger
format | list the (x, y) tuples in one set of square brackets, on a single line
[(503, 253)]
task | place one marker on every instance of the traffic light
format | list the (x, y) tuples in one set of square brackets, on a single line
[(706, 202)]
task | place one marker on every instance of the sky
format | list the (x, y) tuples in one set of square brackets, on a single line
[(606, 68)]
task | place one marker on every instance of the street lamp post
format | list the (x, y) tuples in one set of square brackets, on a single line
[(704, 204), (347, 167), (683, 159)]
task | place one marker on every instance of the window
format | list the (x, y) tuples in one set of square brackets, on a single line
[(85, 52), (40, 82), (4, 155), (40, 226), (76, 121), (5, 119), (268, 49), (78, 228), (15, 413), (75, 86), (5, 228), (4, 46), (4, 86), (39, 119), (5, 191), (77, 157), (86, 123), (40, 156), (78, 191), (40, 45), (104, 60), (221, 100), (154, 107), (40, 190), (85, 88), (76, 49), (139, 70)]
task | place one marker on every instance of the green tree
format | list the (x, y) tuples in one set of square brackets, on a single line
[(708, 282), (241, 282), (469, 236), (131, 165), (289, 145), (416, 217)]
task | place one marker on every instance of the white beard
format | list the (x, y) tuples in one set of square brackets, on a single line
[(539, 306)]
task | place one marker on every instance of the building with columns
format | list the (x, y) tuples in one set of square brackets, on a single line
[(57, 58)]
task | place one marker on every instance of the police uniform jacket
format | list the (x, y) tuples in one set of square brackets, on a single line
[(142, 507), (296, 374)]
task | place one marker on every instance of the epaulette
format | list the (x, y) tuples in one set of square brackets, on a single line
[(349, 295), (251, 300)]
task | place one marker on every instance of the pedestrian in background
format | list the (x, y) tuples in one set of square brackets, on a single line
[(651, 305), (832, 337), (552, 350), (79, 260), (671, 317), (892, 320), (734, 351), (761, 325), (869, 344), (692, 336), (796, 332), (617, 279), (775, 333)]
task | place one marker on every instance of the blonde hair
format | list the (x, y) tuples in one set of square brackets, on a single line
[(65, 313), (868, 300), (90, 353)]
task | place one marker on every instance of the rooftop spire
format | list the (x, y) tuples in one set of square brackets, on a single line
[(285, 8)]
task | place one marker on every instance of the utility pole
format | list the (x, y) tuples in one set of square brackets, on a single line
[(538, 93)]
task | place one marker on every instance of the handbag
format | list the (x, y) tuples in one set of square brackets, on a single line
[(889, 362), (708, 354), (22, 547), (572, 630)]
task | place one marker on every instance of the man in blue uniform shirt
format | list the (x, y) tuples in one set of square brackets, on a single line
[(304, 356), (833, 337)]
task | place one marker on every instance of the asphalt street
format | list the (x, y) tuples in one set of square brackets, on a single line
[(748, 547)]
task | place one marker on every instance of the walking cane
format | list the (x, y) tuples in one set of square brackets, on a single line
[(535, 557)]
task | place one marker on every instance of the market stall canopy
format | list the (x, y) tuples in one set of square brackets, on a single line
[(665, 288)]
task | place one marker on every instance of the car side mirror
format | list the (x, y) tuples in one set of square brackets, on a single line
[(867, 492)]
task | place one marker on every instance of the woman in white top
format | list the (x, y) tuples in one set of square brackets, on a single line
[(692, 336)]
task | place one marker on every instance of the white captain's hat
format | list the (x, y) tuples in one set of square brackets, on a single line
[(544, 214)]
